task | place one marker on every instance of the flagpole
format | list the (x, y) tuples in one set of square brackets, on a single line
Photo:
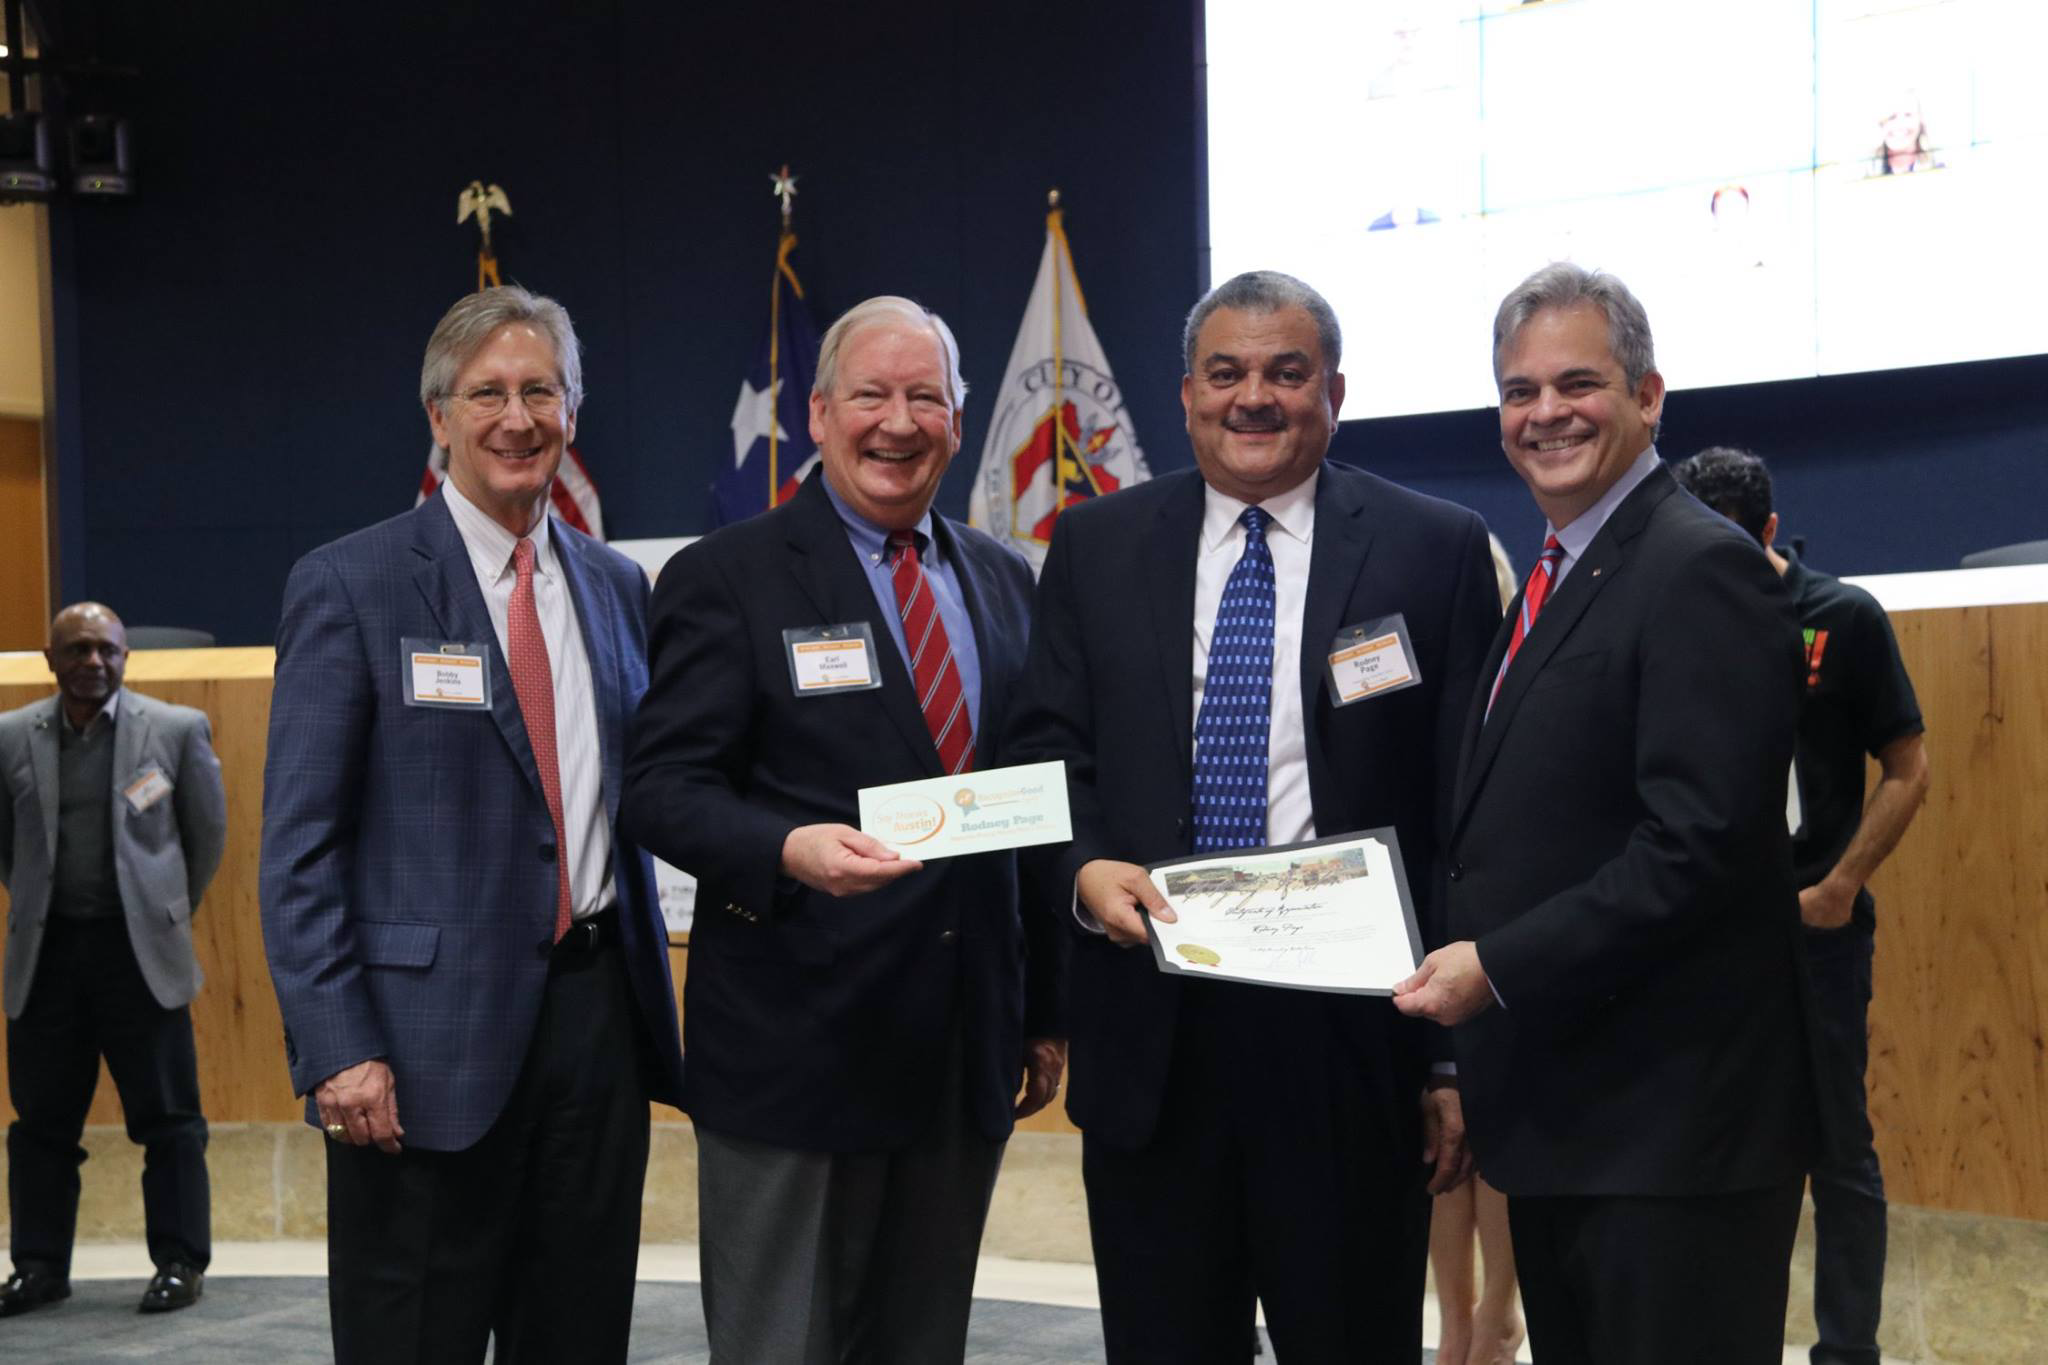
[(1055, 227), (785, 190)]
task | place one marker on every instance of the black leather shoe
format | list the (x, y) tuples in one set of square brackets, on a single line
[(27, 1289), (175, 1285)]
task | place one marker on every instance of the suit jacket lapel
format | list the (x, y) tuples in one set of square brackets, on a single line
[(835, 580), (42, 752), (1343, 538), (131, 737), (601, 648), (447, 579), (1605, 556), (1171, 544)]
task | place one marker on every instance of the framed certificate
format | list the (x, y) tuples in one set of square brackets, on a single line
[(1331, 915)]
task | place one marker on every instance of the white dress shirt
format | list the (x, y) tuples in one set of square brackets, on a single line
[(585, 831), (1290, 534)]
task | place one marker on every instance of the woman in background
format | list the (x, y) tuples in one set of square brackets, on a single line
[(1487, 1331)]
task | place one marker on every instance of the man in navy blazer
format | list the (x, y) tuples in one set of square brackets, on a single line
[(858, 1023), (1625, 976), (1244, 1141), (468, 955)]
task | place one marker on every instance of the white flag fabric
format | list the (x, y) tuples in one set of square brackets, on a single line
[(1061, 433)]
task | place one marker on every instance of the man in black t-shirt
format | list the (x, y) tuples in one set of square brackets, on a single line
[(1858, 701)]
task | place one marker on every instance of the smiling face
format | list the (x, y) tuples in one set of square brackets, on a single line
[(1261, 406), (887, 429), (1901, 129), (504, 463), (1568, 421)]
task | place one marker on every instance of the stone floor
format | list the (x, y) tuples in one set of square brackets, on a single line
[(1960, 1289)]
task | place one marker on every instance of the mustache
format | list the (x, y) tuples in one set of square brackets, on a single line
[(1263, 422)]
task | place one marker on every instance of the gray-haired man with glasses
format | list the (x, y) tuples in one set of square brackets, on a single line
[(468, 956)]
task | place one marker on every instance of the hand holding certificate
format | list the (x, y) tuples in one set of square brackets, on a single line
[(1333, 915)]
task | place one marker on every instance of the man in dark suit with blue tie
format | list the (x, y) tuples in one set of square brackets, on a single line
[(859, 1024), (468, 954), (1624, 979), (1245, 1141)]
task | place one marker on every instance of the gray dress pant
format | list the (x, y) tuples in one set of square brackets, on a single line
[(844, 1258)]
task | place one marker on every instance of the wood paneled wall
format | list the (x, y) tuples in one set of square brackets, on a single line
[(1958, 1075), (24, 552), (1959, 1067)]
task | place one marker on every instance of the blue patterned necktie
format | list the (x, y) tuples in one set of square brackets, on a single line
[(1237, 703)]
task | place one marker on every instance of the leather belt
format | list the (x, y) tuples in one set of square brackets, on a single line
[(586, 936)]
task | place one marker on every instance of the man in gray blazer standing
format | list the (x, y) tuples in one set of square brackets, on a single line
[(112, 824)]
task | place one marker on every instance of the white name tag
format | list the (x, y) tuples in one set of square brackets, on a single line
[(940, 817), (1371, 658), (831, 658), (447, 673), (146, 790)]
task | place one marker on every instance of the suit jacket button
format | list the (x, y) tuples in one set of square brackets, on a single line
[(547, 853), (1457, 871), (949, 937)]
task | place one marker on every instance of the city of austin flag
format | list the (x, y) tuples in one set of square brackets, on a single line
[(1061, 433)]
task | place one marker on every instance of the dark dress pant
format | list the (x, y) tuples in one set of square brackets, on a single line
[(1624, 1280), (1848, 1185), (532, 1236), (89, 1001), (1272, 1176)]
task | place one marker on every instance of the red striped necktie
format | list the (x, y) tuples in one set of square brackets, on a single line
[(932, 667), (1535, 593)]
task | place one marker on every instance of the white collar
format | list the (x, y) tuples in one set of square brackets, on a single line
[(1292, 512), (489, 544)]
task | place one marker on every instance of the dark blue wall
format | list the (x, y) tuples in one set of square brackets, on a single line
[(239, 344)]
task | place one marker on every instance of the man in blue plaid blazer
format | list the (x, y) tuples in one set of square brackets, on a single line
[(469, 957)]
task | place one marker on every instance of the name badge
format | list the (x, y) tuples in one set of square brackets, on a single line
[(146, 790), (1370, 659), (825, 659), (446, 673)]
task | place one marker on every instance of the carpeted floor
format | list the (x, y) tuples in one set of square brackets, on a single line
[(273, 1321)]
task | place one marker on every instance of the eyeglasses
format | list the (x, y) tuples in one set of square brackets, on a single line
[(488, 400)]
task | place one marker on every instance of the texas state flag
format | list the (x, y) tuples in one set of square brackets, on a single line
[(772, 449)]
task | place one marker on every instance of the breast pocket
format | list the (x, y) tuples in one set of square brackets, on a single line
[(1575, 670)]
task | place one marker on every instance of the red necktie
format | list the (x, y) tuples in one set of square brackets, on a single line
[(534, 684), (1535, 593), (939, 691)]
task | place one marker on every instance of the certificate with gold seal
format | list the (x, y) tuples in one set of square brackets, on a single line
[(1331, 915), (974, 812)]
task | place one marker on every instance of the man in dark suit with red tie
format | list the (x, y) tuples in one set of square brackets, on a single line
[(1624, 981), (1245, 1141), (858, 1025)]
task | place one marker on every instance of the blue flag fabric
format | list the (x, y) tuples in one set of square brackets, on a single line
[(775, 395)]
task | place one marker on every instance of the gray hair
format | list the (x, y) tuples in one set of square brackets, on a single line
[(1565, 285), (1267, 291), (476, 318), (882, 308)]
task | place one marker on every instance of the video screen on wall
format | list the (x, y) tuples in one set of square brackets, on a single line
[(1792, 187)]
